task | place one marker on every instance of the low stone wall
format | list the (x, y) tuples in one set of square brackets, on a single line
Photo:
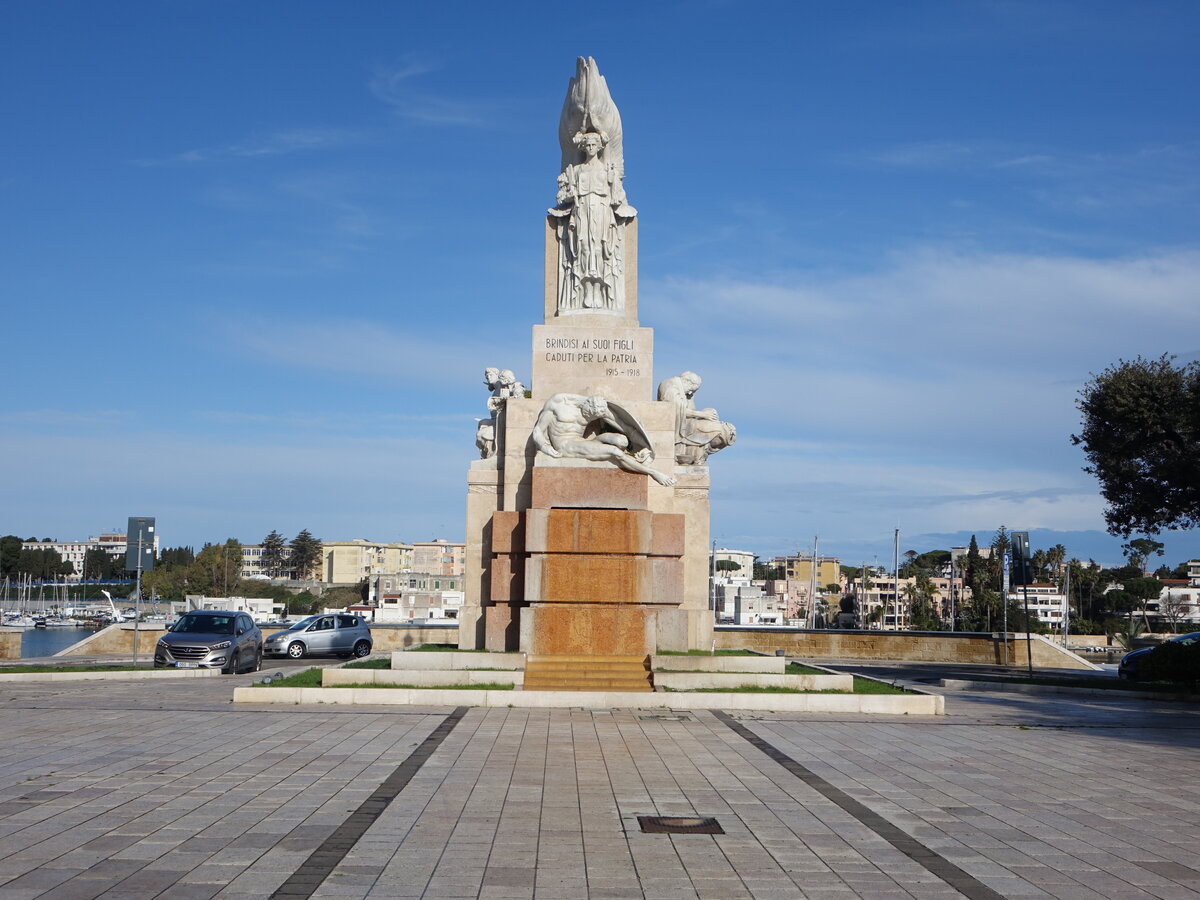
[(769, 665), (398, 637), (431, 660), (876, 704), (905, 646), (10, 643), (703, 681), (431, 678), (117, 639)]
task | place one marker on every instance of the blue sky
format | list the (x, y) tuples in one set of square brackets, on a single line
[(256, 255)]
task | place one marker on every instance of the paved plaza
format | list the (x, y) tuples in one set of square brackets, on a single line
[(127, 790)]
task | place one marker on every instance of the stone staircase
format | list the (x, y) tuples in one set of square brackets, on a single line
[(562, 672)]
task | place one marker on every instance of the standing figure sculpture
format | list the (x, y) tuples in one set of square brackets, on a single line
[(590, 209), (698, 432), (578, 427)]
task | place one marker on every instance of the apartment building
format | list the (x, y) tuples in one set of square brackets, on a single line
[(743, 558), (439, 556), (415, 597), (349, 562)]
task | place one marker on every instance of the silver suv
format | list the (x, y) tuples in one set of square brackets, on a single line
[(211, 639), (337, 634)]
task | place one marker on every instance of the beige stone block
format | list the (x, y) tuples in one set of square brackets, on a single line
[(435, 660), (508, 532), (598, 486), (667, 538), (589, 531), (593, 631), (591, 578), (589, 355), (503, 628), (506, 580), (763, 665), (10, 644), (671, 630), (666, 581)]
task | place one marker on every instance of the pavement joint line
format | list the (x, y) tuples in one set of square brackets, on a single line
[(963, 882), (319, 865)]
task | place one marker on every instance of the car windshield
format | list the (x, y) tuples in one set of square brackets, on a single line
[(204, 625)]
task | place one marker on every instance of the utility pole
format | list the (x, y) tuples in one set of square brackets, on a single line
[(143, 527), (712, 581), (812, 589), (896, 581)]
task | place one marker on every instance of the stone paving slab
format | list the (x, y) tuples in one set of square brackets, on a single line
[(167, 789)]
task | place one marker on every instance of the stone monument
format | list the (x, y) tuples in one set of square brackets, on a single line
[(588, 511)]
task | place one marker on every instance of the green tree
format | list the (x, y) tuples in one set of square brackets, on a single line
[(10, 552), (99, 565), (764, 572), (727, 565), (1119, 602), (1139, 550), (177, 556), (217, 571), (273, 556), (43, 564), (1143, 590), (1141, 437), (306, 555)]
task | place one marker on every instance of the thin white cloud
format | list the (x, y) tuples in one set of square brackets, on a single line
[(938, 391), (279, 143), (394, 86)]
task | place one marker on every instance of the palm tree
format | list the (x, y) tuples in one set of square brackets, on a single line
[(1127, 632)]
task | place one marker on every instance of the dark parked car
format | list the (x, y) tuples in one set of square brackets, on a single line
[(1131, 662), (211, 639), (330, 634)]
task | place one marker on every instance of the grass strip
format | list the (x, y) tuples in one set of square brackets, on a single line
[(492, 686), (381, 663), (800, 669), (41, 670), (307, 678)]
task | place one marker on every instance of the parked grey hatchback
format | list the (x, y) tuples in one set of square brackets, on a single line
[(211, 639), (330, 634)]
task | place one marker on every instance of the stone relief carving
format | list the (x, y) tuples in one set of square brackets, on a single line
[(698, 432), (590, 209), (503, 384), (572, 426)]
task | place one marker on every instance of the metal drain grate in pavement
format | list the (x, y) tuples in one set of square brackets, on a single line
[(679, 825)]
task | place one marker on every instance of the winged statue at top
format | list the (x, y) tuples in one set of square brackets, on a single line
[(591, 210)]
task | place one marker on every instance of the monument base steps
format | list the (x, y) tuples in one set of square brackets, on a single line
[(565, 672)]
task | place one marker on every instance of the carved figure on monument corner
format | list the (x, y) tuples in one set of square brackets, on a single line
[(698, 432), (590, 209), (572, 426), (503, 384)]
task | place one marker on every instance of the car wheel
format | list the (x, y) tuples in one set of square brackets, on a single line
[(295, 650), (231, 667), (362, 648)]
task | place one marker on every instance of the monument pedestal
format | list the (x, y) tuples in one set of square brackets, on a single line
[(587, 546)]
